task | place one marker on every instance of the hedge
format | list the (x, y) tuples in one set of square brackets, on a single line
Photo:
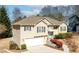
[(63, 35), (23, 46), (13, 46)]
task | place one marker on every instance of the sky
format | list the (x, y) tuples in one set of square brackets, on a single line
[(27, 10)]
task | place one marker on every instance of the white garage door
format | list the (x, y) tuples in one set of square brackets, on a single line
[(35, 42)]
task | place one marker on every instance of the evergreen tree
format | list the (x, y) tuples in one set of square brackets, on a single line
[(4, 19)]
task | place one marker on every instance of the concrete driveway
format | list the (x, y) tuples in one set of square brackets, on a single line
[(42, 49), (37, 49)]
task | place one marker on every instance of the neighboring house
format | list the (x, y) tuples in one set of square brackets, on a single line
[(34, 30), (73, 23)]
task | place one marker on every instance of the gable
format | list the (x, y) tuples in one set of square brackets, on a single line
[(47, 22), (63, 24), (41, 23)]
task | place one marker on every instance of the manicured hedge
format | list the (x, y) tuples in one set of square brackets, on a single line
[(23, 46), (63, 35), (13, 46)]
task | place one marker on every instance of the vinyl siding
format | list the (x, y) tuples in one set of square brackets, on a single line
[(62, 25), (16, 34), (41, 24)]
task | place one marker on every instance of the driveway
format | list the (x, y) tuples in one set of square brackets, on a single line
[(36, 49), (42, 49)]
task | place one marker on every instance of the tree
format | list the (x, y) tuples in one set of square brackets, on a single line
[(45, 10), (4, 19), (76, 10), (2, 28), (58, 16), (24, 16), (17, 14), (52, 12)]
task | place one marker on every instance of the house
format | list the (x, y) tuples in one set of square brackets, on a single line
[(73, 23), (33, 30)]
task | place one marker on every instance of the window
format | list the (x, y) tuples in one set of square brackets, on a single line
[(40, 29), (27, 28), (63, 28)]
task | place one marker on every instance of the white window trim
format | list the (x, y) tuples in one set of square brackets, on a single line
[(41, 29), (27, 28), (63, 28)]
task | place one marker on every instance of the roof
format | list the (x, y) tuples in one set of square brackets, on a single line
[(33, 20), (54, 21)]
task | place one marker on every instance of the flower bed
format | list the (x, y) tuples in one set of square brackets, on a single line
[(57, 42)]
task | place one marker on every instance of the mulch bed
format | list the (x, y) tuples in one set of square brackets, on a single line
[(54, 47)]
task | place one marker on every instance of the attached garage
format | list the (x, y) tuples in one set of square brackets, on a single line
[(35, 41)]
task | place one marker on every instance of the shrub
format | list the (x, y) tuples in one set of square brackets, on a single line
[(68, 35), (23, 46), (57, 42), (13, 46), (17, 48), (5, 34), (63, 35), (59, 36)]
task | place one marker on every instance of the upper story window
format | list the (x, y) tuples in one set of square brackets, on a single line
[(63, 28), (27, 28), (40, 29), (17, 27)]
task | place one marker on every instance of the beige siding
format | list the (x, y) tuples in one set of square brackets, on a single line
[(40, 34), (57, 31), (48, 23), (26, 34), (16, 34), (62, 25)]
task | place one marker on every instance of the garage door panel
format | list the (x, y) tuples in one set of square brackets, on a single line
[(34, 42)]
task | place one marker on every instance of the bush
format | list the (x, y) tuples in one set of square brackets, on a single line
[(59, 37), (6, 34), (63, 35), (57, 42), (23, 46), (13, 46), (68, 35)]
